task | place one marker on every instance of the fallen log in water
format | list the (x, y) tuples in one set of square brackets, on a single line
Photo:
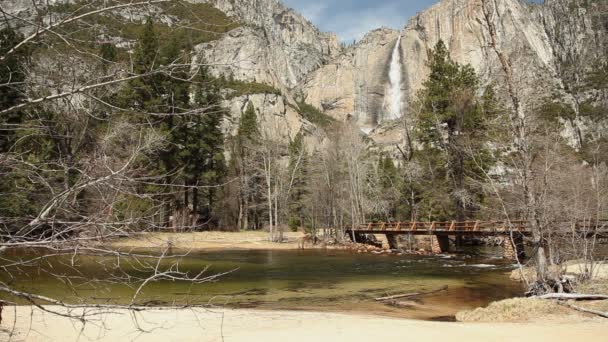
[(573, 296), (404, 295)]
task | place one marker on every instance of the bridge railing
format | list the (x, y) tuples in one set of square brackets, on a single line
[(471, 226), (475, 226)]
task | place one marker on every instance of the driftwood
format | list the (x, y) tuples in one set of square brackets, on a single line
[(404, 295), (573, 296), (402, 304), (398, 296), (578, 308)]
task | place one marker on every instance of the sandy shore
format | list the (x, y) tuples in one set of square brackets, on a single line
[(245, 325), (210, 240)]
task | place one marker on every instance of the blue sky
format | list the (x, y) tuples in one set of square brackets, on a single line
[(351, 19)]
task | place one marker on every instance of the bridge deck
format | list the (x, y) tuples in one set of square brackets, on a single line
[(479, 228)]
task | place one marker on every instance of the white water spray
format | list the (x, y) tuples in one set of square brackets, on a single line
[(394, 75)]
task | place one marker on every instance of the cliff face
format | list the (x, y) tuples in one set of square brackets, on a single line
[(578, 33), (461, 25), (276, 118), (551, 48), (278, 46), (272, 45), (354, 85)]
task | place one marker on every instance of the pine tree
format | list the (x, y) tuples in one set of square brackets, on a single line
[(188, 114), (145, 57), (298, 171), (248, 125), (12, 76), (200, 142), (108, 54), (387, 172), (452, 130), (145, 93), (246, 161), (390, 186), (15, 187), (174, 100)]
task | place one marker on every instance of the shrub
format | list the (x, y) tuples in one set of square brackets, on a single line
[(293, 223)]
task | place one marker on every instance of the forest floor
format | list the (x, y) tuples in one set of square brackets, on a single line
[(248, 325), (210, 240)]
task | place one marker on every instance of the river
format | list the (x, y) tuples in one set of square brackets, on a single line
[(335, 281)]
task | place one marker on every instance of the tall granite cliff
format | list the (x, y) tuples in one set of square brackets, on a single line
[(552, 48), (270, 44), (277, 46)]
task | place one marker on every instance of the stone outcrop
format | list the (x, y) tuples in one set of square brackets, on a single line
[(241, 54), (276, 118)]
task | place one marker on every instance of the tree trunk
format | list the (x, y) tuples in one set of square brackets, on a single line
[(521, 141), (186, 193), (195, 203), (269, 200), (246, 213)]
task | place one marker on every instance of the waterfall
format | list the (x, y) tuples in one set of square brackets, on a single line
[(394, 74)]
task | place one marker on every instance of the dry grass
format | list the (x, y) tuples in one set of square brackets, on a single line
[(520, 310), (209, 240), (574, 268), (593, 287), (538, 310)]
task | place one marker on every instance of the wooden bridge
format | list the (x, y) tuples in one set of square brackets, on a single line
[(439, 232), (478, 228)]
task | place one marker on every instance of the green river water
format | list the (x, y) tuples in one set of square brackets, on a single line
[(294, 280)]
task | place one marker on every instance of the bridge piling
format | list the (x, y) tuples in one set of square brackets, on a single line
[(392, 241), (440, 244), (513, 248)]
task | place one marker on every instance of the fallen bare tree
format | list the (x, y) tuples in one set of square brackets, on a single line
[(573, 296)]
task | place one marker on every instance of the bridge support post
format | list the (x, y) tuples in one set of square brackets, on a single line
[(392, 241), (513, 248), (440, 244), (356, 237)]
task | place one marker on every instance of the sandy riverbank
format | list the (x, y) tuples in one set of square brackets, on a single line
[(245, 325)]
